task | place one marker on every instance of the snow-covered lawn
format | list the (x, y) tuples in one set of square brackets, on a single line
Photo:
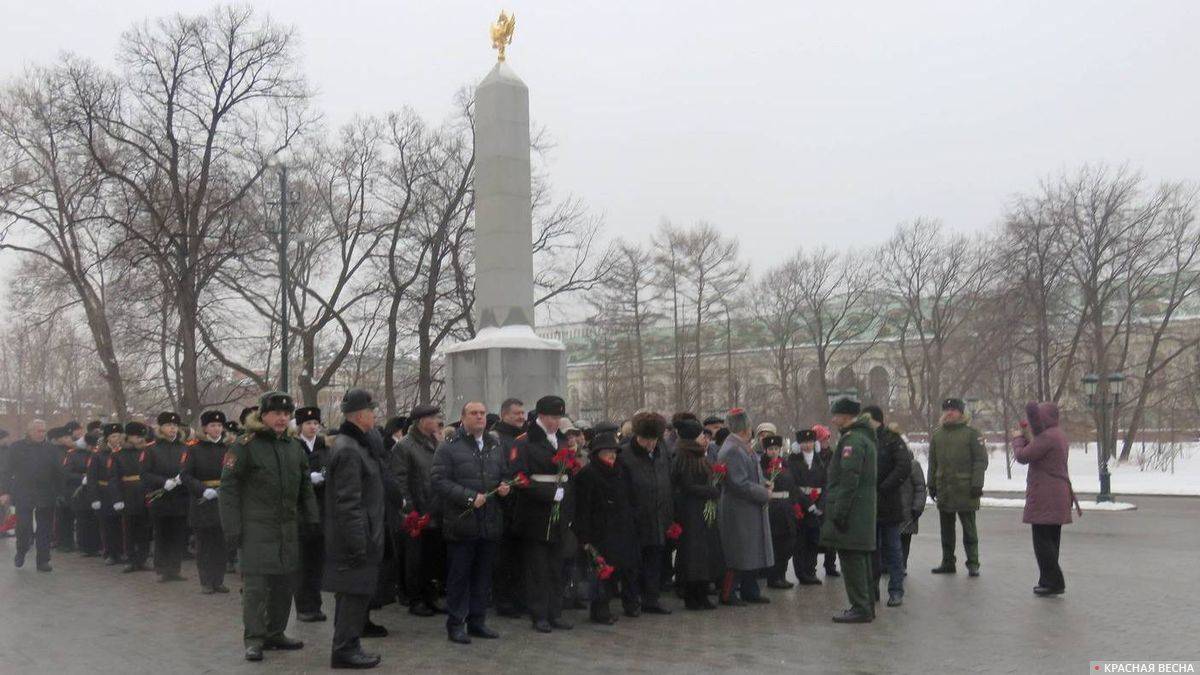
[(1127, 479)]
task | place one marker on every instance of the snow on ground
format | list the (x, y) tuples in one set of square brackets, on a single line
[(1154, 469), (1005, 503)]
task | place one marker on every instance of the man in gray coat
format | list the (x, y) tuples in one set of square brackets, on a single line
[(743, 519), (354, 527)]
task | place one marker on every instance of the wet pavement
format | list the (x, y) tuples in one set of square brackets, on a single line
[(1132, 585)]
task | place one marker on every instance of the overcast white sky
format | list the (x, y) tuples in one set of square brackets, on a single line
[(787, 123)]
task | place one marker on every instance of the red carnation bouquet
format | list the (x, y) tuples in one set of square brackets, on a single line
[(719, 471), (565, 461), (674, 531), (603, 569), (10, 523), (518, 481), (415, 523), (774, 468), (798, 510)]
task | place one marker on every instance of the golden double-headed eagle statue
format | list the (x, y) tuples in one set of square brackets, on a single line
[(502, 33)]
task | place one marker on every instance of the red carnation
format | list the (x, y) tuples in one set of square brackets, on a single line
[(814, 494), (521, 480), (674, 531), (605, 572), (560, 458), (799, 511), (720, 469)]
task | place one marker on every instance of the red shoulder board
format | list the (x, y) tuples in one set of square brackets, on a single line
[(89, 462), (183, 457), (230, 460), (142, 456), (193, 441), (512, 454), (64, 462), (522, 436), (109, 465)]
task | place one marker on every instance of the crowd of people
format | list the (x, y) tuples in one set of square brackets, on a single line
[(527, 514)]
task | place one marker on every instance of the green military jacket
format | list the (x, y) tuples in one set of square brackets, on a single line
[(850, 490), (957, 461), (265, 495)]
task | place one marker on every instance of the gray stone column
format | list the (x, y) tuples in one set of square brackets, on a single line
[(506, 358)]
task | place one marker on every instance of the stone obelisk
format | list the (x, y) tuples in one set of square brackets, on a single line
[(506, 358)]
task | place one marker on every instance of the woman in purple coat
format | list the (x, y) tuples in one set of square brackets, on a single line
[(1048, 493)]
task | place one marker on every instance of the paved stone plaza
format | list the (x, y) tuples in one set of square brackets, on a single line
[(1132, 579)]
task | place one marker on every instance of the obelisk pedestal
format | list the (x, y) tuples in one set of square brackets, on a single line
[(506, 358)]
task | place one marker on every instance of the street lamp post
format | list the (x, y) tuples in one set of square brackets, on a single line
[(283, 276), (1104, 400)]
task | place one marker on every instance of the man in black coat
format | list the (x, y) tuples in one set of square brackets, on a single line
[(645, 455), (312, 540), (160, 470), (354, 527), (465, 471), (894, 461), (507, 580), (411, 461), (543, 513), (31, 481)]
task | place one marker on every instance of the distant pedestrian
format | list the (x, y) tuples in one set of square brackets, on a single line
[(1048, 491), (957, 463)]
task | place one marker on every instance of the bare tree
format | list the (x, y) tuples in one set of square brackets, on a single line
[(54, 210), (186, 132)]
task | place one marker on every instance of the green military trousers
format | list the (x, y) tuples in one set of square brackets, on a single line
[(860, 585), (970, 537), (266, 604)]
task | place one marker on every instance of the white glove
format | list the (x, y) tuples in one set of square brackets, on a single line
[(84, 481), (95, 506), (559, 494), (209, 494), (119, 506), (316, 477), (812, 508), (170, 484)]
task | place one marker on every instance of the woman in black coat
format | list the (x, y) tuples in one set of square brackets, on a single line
[(781, 512), (606, 525), (699, 560)]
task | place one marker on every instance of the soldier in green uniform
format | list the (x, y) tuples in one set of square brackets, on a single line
[(850, 495), (265, 497), (957, 461)]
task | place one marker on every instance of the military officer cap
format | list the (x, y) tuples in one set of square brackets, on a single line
[(168, 417), (357, 399), (110, 429), (209, 416), (423, 411), (713, 419), (308, 414), (233, 427), (954, 404), (773, 441), (806, 436), (137, 429), (57, 433), (276, 401), (846, 406), (551, 405)]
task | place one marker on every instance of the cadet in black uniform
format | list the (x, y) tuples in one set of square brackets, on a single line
[(87, 528), (64, 515), (160, 469), (200, 470), (100, 494), (129, 494), (312, 539)]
